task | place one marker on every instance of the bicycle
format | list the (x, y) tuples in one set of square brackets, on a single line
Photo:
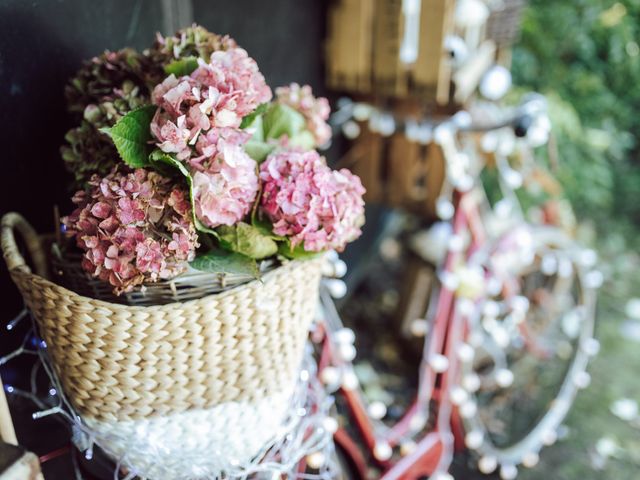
[(506, 300)]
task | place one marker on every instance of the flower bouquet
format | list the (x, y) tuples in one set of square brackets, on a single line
[(202, 211)]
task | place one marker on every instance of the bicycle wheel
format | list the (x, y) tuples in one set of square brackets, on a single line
[(531, 353)]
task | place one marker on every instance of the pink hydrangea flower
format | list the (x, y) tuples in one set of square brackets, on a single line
[(236, 77), (217, 94), (134, 227), (207, 144), (315, 110), (315, 206), (224, 186)]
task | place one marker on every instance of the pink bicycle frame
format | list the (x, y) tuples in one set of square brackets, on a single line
[(434, 449)]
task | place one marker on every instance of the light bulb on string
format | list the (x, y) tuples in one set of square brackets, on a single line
[(495, 83), (362, 112), (386, 125), (487, 464), (508, 472), (411, 130), (444, 208), (14, 322), (351, 130), (424, 134), (471, 382)]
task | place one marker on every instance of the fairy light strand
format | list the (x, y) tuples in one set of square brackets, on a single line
[(302, 433)]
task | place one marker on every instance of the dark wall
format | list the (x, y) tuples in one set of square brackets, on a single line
[(43, 42)]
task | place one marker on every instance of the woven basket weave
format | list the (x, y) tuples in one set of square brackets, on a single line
[(121, 363)]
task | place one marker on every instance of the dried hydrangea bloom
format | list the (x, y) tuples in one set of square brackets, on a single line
[(88, 152), (105, 77), (194, 41), (111, 85), (225, 185), (311, 204), (104, 90), (134, 227), (315, 110)]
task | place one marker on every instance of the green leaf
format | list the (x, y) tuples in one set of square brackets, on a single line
[(256, 114), (282, 120), (304, 140), (158, 157), (258, 150), (247, 240), (265, 227), (131, 136), (226, 263), (258, 129), (298, 252), (181, 67)]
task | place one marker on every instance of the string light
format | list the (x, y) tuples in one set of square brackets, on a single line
[(591, 347), (280, 457), (330, 376), (530, 459), (439, 363), (508, 472), (465, 352), (444, 209), (449, 280), (487, 464), (491, 309), (330, 424), (549, 437), (474, 439), (417, 422), (458, 395), (442, 476), (582, 380), (344, 336), (347, 352), (468, 409), (588, 258), (471, 382), (419, 327), (350, 380), (382, 451), (337, 288), (316, 460), (593, 279), (13, 323), (407, 447), (351, 130), (377, 410), (504, 378), (456, 243)]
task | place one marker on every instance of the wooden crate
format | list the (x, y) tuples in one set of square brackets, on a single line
[(398, 172), (363, 49)]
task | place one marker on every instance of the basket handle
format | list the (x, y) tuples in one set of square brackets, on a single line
[(12, 222)]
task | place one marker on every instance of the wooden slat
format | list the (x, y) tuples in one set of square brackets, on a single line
[(386, 45), (435, 178), (7, 432), (365, 159), (430, 68), (467, 78), (403, 156)]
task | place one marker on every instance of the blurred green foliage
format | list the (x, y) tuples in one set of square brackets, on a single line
[(584, 55)]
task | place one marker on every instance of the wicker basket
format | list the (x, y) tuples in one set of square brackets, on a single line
[(67, 271), (120, 364)]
